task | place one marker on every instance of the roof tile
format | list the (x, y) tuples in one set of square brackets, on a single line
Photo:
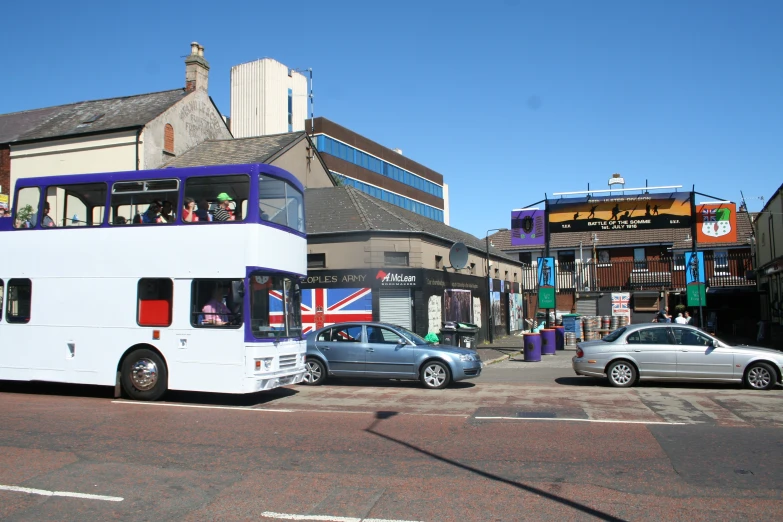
[(260, 149), (69, 120), (346, 209)]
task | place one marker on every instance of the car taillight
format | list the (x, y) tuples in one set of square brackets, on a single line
[(579, 352)]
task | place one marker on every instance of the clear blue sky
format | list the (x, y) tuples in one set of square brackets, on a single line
[(508, 99)]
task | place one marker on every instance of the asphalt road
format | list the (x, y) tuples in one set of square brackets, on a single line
[(511, 445)]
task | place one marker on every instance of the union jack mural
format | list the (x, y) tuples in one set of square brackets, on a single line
[(620, 304), (324, 306)]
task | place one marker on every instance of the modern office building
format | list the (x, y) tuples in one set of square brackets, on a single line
[(267, 98), (380, 172)]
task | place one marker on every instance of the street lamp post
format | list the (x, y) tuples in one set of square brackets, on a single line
[(489, 288)]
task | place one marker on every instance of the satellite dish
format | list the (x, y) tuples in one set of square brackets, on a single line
[(458, 256)]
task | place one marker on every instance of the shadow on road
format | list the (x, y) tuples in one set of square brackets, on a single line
[(604, 383), (107, 392), (56, 388), (227, 399), (390, 383), (382, 415), (582, 381)]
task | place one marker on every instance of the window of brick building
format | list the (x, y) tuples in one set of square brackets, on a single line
[(168, 139)]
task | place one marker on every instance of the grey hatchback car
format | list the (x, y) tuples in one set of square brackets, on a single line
[(385, 351), (668, 351)]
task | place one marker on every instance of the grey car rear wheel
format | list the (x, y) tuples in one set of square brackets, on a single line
[(622, 374), (315, 372), (760, 376)]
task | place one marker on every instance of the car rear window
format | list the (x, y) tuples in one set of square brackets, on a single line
[(612, 337)]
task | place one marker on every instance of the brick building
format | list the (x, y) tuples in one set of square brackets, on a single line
[(637, 244)]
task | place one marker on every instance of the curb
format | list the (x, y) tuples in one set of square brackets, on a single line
[(493, 361), (499, 359)]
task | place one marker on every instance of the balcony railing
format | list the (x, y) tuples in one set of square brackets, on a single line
[(734, 269)]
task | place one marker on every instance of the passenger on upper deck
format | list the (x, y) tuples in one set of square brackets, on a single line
[(47, 221), (203, 211), (222, 213), (152, 215), (189, 212), (166, 213)]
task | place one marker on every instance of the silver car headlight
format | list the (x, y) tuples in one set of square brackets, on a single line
[(467, 357)]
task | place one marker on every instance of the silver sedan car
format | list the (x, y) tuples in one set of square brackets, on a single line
[(385, 351), (668, 351)]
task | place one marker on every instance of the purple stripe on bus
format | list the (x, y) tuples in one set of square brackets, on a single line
[(253, 215), (182, 173)]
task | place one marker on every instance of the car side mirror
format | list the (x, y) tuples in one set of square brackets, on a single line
[(713, 344), (401, 342)]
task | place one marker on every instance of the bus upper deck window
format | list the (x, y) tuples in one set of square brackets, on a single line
[(216, 198), (280, 202), (26, 207)]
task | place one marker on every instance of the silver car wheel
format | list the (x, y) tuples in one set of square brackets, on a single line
[(144, 374), (312, 372), (621, 374), (434, 375), (759, 378)]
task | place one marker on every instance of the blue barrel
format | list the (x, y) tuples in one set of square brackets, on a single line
[(560, 337), (532, 347), (548, 341)]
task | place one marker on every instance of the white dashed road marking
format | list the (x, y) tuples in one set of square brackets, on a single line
[(325, 518), (46, 493), (608, 421)]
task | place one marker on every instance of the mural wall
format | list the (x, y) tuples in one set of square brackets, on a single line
[(641, 212), (457, 305)]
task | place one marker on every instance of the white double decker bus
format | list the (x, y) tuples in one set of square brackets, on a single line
[(173, 279)]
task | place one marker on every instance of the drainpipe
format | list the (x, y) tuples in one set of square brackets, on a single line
[(138, 139)]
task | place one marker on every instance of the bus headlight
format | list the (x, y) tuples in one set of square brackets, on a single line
[(264, 364)]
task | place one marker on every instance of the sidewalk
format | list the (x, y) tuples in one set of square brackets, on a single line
[(504, 347)]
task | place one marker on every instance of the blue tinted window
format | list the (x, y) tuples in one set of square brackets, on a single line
[(394, 199), (357, 157)]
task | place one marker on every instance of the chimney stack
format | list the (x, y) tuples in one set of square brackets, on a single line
[(196, 69)]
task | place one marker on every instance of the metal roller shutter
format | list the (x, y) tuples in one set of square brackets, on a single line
[(395, 306), (587, 306)]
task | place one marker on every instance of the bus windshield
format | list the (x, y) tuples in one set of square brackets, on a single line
[(275, 306)]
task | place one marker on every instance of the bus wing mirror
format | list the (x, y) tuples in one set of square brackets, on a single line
[(237, 291)]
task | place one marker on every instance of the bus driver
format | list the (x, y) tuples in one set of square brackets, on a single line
[(215, 311)]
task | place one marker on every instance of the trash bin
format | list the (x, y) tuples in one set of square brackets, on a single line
[(466, 335), (448, 334), (448, 338), (532, 347), (573, 324), (560, 337), (548, 341)]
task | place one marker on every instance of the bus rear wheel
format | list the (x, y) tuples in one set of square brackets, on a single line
[(144, 376)]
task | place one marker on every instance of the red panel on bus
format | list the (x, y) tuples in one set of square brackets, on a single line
[(154, 312)]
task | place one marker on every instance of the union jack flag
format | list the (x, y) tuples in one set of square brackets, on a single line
[(620, 301), (324, 306), (709, 214)]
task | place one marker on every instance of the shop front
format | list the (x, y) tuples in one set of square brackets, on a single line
[(418, 299)]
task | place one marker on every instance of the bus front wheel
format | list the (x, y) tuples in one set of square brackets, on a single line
[(144, 376)]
